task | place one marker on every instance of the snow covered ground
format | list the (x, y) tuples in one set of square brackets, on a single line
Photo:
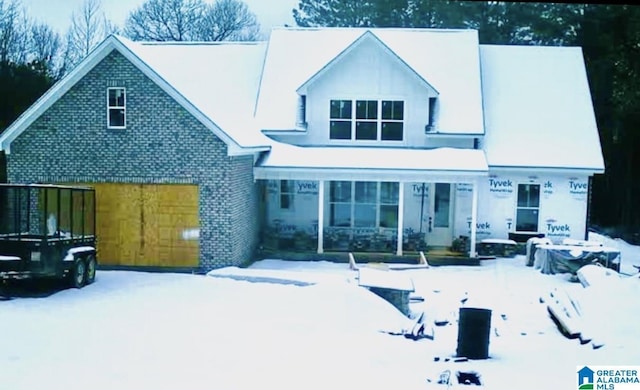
[(136, 330)]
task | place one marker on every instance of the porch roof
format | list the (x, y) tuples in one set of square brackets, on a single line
[(292, 162)]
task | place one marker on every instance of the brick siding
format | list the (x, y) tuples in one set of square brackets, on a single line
[(162, 143)]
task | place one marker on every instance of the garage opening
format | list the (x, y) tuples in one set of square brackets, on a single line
[(147, 224)]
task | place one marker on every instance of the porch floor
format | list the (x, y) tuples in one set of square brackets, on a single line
[(435, 257)]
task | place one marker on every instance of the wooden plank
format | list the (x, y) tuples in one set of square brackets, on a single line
[(170, 212), (118, 223), (145, 224), (149, 230), (371, 277)]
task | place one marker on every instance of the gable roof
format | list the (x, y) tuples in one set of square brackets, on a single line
[(187, 74), (366, 37), (538, 109), (534, 101), (447, 59)]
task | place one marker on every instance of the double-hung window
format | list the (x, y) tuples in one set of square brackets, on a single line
[(365, 204), (340, 204), (528, 207), (340, 124), (389, 192), (366, 120), (392, 118), (116, 108), (286, 194)]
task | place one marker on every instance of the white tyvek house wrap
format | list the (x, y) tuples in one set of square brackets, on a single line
[(562, 213)]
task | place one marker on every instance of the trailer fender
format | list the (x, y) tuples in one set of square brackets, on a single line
[(79, 251)]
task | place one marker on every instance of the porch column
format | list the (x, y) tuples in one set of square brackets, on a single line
[(400, 217), (320, 216), (474, 219)]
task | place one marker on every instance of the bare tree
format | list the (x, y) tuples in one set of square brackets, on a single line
[(228, 20), (88, 28), (192, 20), (164, 20), (111, 28), (13, 32), (45, 49)]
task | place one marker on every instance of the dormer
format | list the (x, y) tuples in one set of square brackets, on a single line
[(371, 87), (365, 95), (370, 50)]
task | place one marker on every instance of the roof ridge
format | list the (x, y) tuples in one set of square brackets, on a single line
[(415, 29), (201, 43)]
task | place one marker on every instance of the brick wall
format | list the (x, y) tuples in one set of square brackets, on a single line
[(162, 143)]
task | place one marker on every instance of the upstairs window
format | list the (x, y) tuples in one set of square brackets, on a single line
[(392, 118), (116, 108), (366, 120), (340, 118)]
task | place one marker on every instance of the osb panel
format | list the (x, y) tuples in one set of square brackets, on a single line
[(172, 213), (147, 225), (118, 223)]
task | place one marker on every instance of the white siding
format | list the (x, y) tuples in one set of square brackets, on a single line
[(368, 72)]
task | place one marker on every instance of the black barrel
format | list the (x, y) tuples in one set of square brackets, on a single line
[(474, 327)]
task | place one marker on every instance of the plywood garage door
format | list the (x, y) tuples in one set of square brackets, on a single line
[(147, 224)]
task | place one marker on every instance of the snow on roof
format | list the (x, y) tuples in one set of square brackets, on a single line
[(446, 59), (538, 108), (219, 79), (285, 160), (367, 36)]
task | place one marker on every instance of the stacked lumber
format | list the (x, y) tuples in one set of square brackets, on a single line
[(567, 313), (575, 313)]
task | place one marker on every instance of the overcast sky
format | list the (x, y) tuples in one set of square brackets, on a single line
[(57, 13)]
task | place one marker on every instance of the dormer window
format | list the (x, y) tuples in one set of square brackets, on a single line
[(432, 115), (366, 120), (116, 108), (340, 119), (301, 116), (392, 120)]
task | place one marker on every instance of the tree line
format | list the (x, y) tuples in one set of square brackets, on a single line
[(33, 56), (610, 39)]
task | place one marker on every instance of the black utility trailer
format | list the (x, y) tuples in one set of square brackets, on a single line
[(48, 231)]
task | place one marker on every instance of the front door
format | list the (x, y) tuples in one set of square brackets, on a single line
[(440, 222)]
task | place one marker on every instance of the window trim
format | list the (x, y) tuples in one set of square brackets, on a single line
[(379, 121), (517, 208), (353, 203), (289, 194), (123, 107)]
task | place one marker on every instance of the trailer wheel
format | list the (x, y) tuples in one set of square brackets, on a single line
[(78, 273), (90, 273)]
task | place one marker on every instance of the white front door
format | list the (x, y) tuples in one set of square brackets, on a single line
[(440, 222)]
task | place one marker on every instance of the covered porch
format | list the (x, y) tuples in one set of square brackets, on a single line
[(378, 200)]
